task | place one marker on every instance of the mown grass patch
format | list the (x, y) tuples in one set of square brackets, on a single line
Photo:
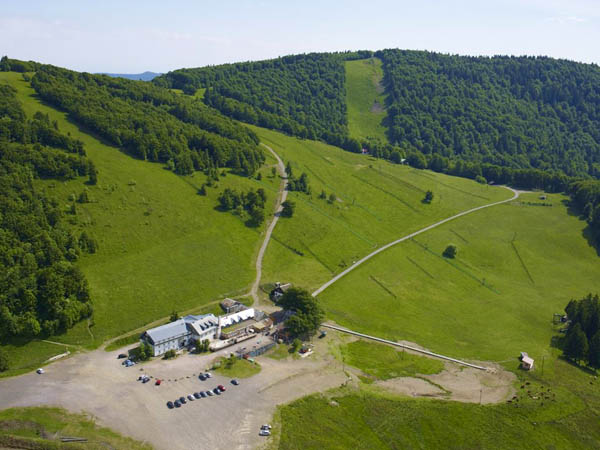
[(385, 362), (41, 427), (365, 99), (236, 367)]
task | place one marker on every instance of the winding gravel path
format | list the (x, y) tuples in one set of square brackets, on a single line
[(422, 230), (280, 199)]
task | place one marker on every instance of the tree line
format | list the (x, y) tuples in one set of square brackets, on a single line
[(149, 122), (42, 291), (585, 198), (582, 342)]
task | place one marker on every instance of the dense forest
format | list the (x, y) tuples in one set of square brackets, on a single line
[(582, 341), (516, 112), (302, 95), (149, 122), (585, 198), (41, 290)]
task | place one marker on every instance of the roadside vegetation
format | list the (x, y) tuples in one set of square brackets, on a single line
[(234, 367), (42, 428)]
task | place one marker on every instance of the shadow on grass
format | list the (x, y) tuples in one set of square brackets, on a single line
[(592, 238), (585, 369)]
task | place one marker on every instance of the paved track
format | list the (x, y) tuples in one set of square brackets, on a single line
[(422, 230)]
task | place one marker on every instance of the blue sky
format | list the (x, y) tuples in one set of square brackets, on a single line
[(129, 36)]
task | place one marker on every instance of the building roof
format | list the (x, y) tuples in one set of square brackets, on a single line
[(203, 323), (168, 331), (237, 317), (527, 361), (181, 327), (228, 303)]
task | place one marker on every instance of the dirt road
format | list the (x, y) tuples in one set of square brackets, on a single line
[(97, 383), (280, 199), (422, 230)]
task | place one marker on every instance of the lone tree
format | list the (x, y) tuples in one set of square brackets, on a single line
[(174, 316), (450, 251), (308, 313), (288, 170), (576, 344), (288, 208), (428, 197)]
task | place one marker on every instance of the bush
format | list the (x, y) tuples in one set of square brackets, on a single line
[(170, 354), (450, 251), (4, 364), (288, 208), (428, 197)]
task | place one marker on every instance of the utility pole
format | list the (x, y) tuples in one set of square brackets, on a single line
[(543, 358)]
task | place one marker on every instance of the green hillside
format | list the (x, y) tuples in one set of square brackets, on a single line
[(365, 99), (375, 203), (41, 428), (161, 246), (517, 264)]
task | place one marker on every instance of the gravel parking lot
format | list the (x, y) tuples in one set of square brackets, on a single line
[(98, 384)]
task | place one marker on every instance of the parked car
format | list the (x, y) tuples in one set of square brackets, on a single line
[(40, 371), (217, 391), (122, 355), (177, 404), (146, 379), (202, 377), (190, 398), (158, 382), (203, 394), (209, 393), (170, 404), (182, 400), (235, 382), (264, 432), (208, 375), (221, 388), (197, 394), (266, 427)]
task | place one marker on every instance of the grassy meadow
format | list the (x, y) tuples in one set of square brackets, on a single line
[(365, 100), (39, 428), (517, 264), (384, 362), (376, 202), (559, 410), (162, 247)]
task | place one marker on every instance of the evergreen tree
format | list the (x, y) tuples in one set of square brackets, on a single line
[(576, 344)]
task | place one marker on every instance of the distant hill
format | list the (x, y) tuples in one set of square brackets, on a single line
[(464, 115), (146, 76)]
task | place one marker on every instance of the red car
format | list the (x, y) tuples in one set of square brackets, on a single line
[(158, 382), (221, 388)]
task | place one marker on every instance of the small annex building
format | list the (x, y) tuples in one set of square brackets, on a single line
[(181, 333), (526, 361)]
